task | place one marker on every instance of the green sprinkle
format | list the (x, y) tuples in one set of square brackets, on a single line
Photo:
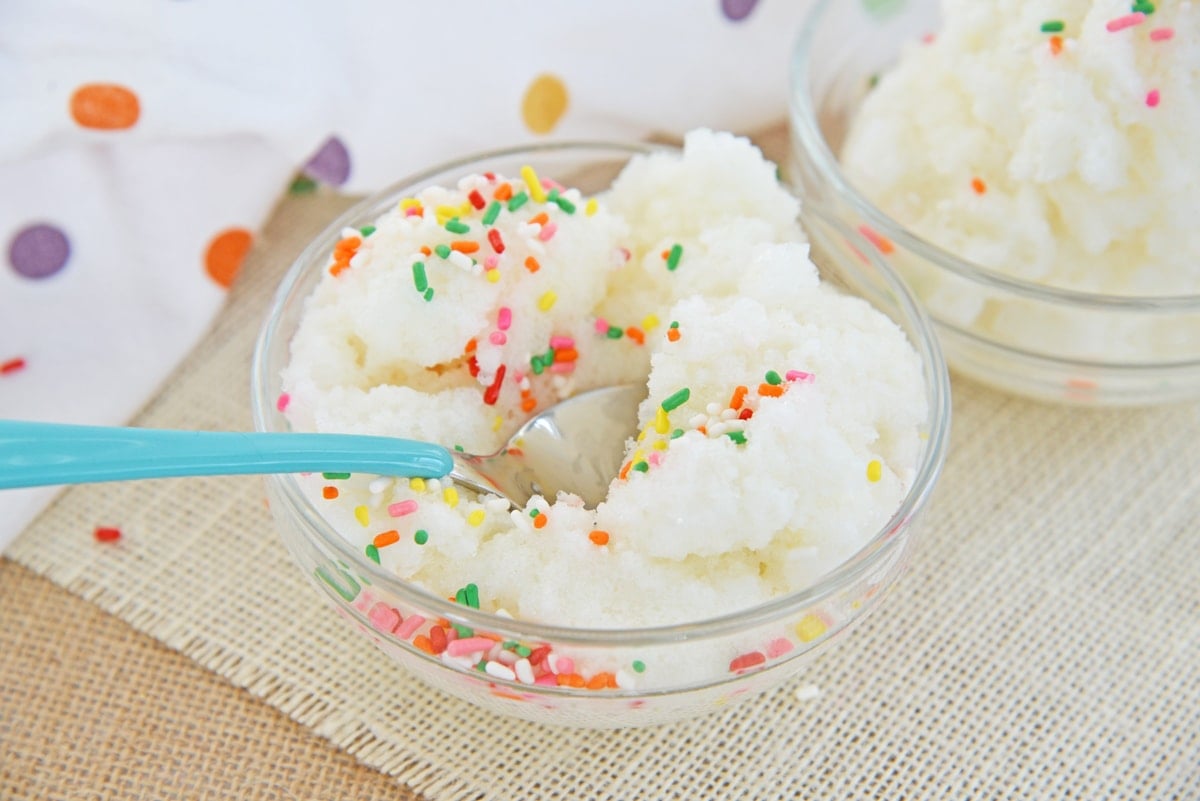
[(677, 433), (639, 666), (348, 591), (421, 536), (456, 226), (674, 256), (535, 364), (534, 513), (429, 294), (459, 448), (443, 251), (564, 204), (614, 332), (1053, 26), (482, 666), (737, 436), (472, 596), (463, 631), (678, 399), (373, 553), (334, 476), (674, 324), (873, 81), (302, 186), (517, 201), (641, 467), (367, 230), (508, 645), (773, 378), (523, 650), (420, 281), (1144, 7), (493, 211), (460, 596)]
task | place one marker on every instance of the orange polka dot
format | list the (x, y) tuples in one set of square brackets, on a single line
[(544, 104), (105, 106), (226, 252)]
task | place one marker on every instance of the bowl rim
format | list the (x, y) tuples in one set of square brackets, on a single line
[(820, 156), (932, 456)]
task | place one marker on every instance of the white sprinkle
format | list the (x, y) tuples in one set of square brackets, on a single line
[(504, 613), (506, 657), (698, 420), (729, 414), (460, 260), (624, 680), (807, 692), (499, 671), (380, 485), (713, 409), (496, 504), (524, 671)]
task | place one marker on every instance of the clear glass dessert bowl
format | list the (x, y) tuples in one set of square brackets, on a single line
[(609, 678), (1046, 342)]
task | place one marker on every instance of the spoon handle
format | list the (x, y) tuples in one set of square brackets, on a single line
[(39, 454)]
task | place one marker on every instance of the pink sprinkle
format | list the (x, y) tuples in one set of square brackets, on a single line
[(412, 211), (409, 627), (284, 400), (504, 318), (548, 230), (1127, 21), (497, 338), (469, 645), (1161, 34), (626, 255), (778, 647), (801, 376), (601, 325), (547, 680), (383, 617), (564, 664), (402, 508), (562, 367), (655, 458), (550, 183), (747, 661), (1152, 98), (491, 261), (564, 342)]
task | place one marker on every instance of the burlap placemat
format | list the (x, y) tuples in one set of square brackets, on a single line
[(1045, 643)]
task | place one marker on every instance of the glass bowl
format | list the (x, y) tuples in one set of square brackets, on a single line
[(742, 653), (1048, 343)]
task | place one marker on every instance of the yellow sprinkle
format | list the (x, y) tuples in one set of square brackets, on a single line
[(408, 203), (874, 470), (536, 190), (497, 421), (444, 213), (642, 434), (492, 275), (590, 207), (661, 424), (465, 209), (649, 322), (638, 456), (362, 516), (476, 517), (660, 445), (450, 496), (810, 628), (416, 484), (546, 301)]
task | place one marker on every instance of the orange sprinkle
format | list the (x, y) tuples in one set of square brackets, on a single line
[(566, 355), (881, 242), (471, 345), (329, 493), (625, 470), (635, 333), (489, 635), (770, 390), (503, 192), (598, 682), (1056, 44), (1081, 383), (528, 404), (422, 642), (386, 538), (570, 680), (599, 537), (541, 218), (350, 243), (464, 246), (337, 267), (739, 397), (425, 251), (673, 334), (540, 521), (665, 254), (703, 430), (105, 107), (978, 185), (496, 691), (532, 264)]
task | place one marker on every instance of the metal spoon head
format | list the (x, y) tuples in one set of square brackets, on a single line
[(573, 446)]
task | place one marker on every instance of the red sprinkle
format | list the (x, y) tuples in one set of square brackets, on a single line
[(747, 661), (476, 199), (495, 240), (538, 655), (437, 639), (12, 366), (106, 534), (492, 393)]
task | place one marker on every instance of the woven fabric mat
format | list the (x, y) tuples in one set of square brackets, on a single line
[(1044, 644)]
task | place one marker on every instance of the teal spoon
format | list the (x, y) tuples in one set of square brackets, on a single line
[(575, 446)]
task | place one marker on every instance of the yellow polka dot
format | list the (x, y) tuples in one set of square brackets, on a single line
[(544, 103), (362, 515), (874, 470)]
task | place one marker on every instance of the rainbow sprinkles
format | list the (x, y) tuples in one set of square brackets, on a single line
[(780, 428)]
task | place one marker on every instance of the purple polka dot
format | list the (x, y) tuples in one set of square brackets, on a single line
[(737, 10), (330, 164), (39, 251)]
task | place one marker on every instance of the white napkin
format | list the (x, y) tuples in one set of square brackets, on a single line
[(143, 143)]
